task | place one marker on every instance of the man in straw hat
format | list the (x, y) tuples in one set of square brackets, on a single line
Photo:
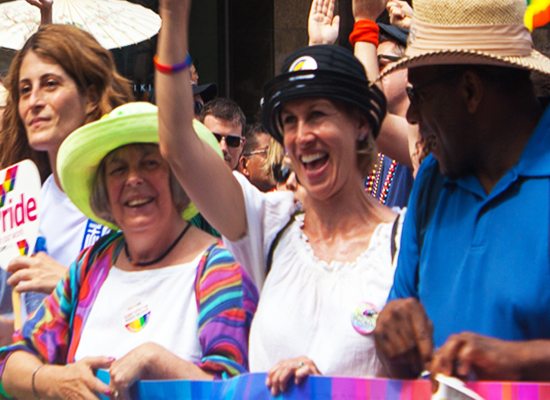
[(475, 248)]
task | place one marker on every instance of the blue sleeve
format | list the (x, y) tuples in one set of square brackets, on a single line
[(406, 273)]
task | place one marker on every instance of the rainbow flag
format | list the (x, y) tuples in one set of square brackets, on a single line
[(537, 14), (252, 387)]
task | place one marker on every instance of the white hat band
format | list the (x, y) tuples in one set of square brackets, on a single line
[(499, 40)]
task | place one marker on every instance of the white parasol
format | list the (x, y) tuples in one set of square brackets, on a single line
[(114, 23)]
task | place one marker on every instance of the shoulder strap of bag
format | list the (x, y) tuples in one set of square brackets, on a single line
[(275, 241)]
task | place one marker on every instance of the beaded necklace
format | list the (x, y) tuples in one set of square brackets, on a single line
[(373, 180)]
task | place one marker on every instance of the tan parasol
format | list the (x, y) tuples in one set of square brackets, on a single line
[(114, 23)]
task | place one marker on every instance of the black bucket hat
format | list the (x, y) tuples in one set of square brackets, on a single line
[(325, 71)]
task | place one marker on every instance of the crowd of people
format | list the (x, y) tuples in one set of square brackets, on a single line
[(366, 225)]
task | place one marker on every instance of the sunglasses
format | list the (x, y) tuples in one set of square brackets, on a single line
[(230, 140), (414, 92)]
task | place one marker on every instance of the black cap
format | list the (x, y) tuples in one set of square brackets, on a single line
[(399, 35), (325, 71), (207, 92)]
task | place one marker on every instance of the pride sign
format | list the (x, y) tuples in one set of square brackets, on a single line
[(19, 198)]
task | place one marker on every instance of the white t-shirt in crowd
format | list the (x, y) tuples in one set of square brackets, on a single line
[(63, 226), (306, 304), (137, 307)]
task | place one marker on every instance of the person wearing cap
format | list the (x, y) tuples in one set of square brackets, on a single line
[(155, 299), (202, 94), (473, 279), (325, 273), (390, 181)]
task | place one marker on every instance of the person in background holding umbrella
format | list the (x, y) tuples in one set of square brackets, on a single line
[(61, 79)]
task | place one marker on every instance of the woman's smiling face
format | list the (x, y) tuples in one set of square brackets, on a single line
[(320, 138), (138, 186)]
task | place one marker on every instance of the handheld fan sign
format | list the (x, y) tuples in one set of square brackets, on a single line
[(19, 205)]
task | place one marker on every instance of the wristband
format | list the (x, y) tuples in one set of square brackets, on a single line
[(35, 395), (170, 69), (364, 31)]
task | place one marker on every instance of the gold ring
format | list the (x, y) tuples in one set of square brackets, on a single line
[(115, 394)]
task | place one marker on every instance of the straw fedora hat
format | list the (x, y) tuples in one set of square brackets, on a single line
[(483, 32), (82, 151)]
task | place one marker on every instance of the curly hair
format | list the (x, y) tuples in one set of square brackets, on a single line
[(85, 61)]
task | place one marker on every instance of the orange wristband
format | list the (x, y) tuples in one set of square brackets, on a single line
[(364, 31)]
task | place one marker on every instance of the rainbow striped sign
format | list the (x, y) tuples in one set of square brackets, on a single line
[(252, 387)]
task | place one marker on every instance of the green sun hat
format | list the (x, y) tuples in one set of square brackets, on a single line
[(82, 151)]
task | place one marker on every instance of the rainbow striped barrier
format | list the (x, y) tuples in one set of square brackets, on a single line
[(252, 387)]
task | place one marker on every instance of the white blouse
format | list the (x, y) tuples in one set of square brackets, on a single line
[(306, 304)]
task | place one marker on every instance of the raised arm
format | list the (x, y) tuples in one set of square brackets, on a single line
[(393, 138), (202, 173), (45, 7)]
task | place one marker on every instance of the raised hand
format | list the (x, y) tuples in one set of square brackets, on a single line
[(400, 13), (45, 7), (322, 25)]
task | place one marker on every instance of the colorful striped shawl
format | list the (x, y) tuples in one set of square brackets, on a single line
[(226, 302)]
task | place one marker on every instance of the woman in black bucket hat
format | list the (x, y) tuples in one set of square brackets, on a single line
[(326, 272)]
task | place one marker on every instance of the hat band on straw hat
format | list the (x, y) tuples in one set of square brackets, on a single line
[(499, 40)]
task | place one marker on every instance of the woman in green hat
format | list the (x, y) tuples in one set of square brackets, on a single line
[(155, 299)]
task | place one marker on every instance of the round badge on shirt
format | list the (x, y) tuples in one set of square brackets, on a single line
[(364, 318), (137, 316)]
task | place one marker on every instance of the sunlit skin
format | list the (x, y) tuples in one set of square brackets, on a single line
[(255, 165), (223, 127), (50, 104), (320, 139), (393, 85), (138, 185)]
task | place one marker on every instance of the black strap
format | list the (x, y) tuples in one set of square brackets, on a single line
[(394, 237), (275, 242)]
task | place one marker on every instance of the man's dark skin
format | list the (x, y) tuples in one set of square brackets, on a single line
[(481, 124)]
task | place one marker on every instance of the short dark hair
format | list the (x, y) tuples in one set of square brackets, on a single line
[(252, 132), (224, 108)]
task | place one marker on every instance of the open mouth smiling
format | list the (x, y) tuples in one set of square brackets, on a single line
[(138, 202)]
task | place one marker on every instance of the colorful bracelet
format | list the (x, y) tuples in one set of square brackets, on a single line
[(364, 31), (170, 69)]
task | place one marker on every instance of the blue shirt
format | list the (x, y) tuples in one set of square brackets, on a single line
[(484, 264)]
